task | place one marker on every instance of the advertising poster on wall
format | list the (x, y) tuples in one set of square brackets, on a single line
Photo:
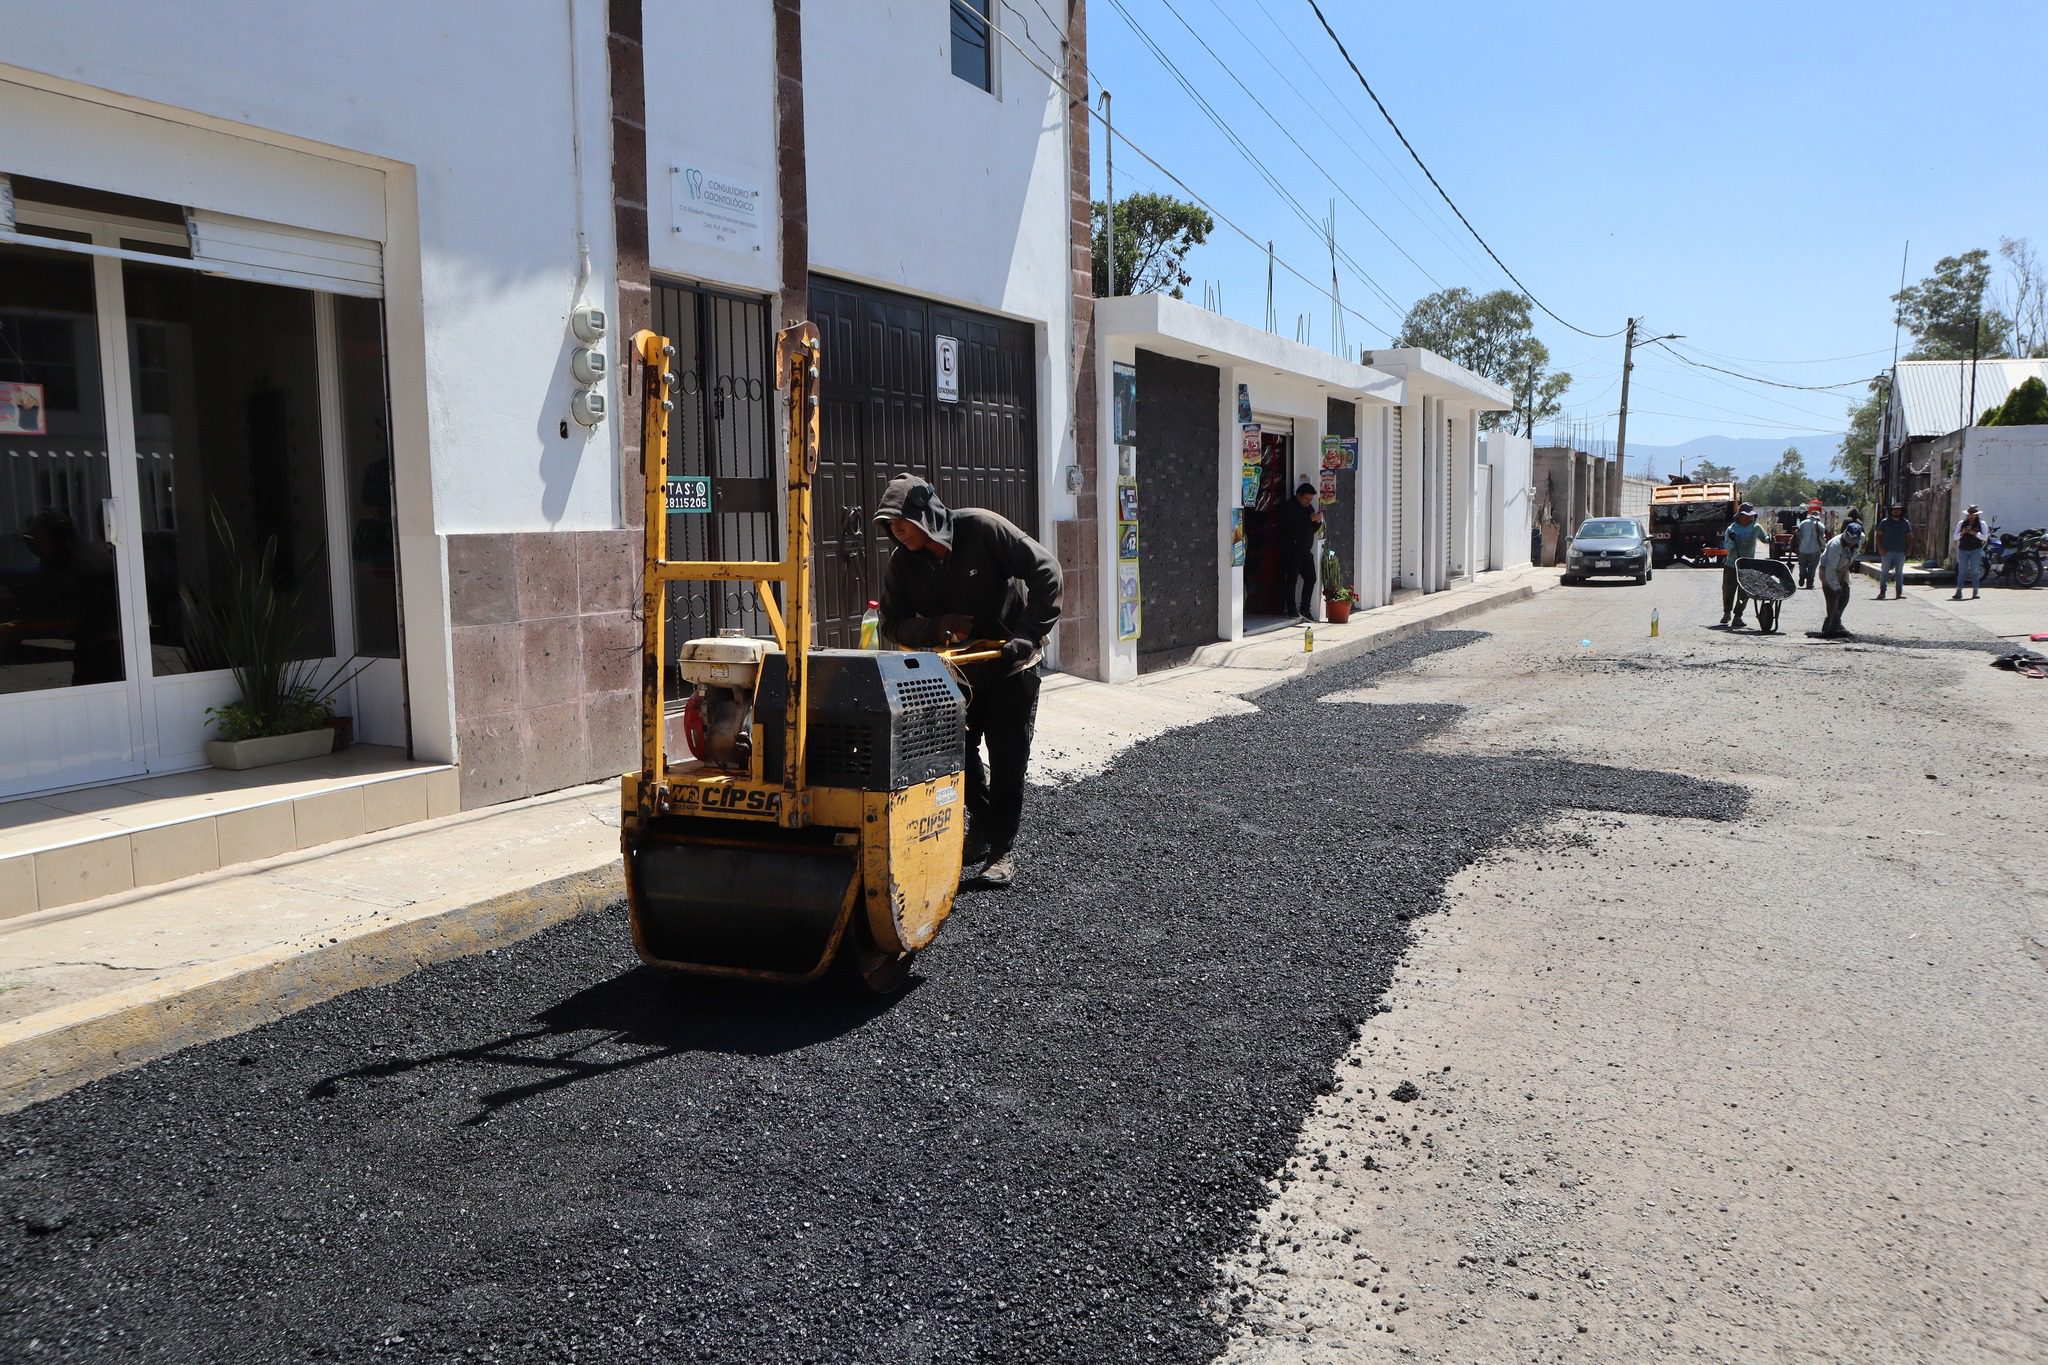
[(1127, 614), (21, 410), (1329, 493), (1237, 537), (1349, 445), (1127, 500), (1250, 443), (1127, 462), (1244, 404), (1124, 404), (1248, 486), (1127, 540)]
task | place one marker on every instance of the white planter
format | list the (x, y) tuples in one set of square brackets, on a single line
[(257, 753)]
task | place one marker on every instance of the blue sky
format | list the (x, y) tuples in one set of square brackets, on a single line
[(1746, 175)]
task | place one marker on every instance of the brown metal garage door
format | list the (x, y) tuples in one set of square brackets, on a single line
[(881, 416)]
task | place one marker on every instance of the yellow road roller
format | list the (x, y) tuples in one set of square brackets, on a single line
[(816, 820)]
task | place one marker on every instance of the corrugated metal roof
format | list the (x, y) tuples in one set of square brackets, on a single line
[(1934, 395)]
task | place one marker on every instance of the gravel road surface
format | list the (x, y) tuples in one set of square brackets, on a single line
[(1691, 1091), (1042, 1152)]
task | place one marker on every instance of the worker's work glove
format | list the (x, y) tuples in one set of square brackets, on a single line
[(955, 628), (1017, 651)]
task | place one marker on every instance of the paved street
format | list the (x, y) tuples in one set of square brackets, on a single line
[(1739, 1010)]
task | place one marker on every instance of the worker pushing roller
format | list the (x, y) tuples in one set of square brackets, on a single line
[(966, 574), (819, 817)]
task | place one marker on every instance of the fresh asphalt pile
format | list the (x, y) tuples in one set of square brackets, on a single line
[(1038, 1153)]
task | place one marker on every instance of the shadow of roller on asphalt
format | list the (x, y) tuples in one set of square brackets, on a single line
[(1041, 1154), (658, 1015)]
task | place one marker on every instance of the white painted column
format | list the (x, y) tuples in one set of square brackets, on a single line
[(1229, 461)]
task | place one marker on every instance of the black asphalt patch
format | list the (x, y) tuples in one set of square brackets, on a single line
[(1038, 1153)]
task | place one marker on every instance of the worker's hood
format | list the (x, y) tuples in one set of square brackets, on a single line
[(909, 498)]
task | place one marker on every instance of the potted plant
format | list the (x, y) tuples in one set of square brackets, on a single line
[(283, 705), (1337, 594)]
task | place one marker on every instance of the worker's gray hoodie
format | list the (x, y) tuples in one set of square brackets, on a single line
[(1006, 581)]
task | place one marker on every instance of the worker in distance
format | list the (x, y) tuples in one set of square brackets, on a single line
[(966, 574)]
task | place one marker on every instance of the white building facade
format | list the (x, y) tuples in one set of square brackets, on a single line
[(316, 269)]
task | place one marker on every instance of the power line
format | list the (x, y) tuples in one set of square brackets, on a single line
[(1752, 360), (1160, 166), (1275, 119), (1759, 379), (1598, 336), (1401, 191), (1251, 158)]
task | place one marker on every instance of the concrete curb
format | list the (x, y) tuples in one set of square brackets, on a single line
[(45, 1054)]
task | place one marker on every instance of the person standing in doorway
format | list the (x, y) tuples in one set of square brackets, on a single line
[(1809, 538), (1894, 538), (964, 574), (1739, 541), (1837, 562), (1300, 519), (1973, 533)]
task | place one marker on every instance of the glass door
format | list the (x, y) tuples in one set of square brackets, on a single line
[(70, 701), (162, 432)]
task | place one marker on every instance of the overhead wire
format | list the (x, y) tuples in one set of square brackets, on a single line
[(1281, 261), (1759, 379), (1401, 191), (1526, 291), (1252, 159), (1252, 95)]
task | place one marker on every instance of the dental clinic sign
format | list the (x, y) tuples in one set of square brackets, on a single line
[(716, 210)]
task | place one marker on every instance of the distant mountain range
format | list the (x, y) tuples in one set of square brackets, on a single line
[(1748, 456)]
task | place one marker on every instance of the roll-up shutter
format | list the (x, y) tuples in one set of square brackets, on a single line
[(1451, 565), (273, 253), (1395, 499)]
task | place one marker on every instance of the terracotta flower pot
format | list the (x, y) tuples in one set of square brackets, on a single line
[(1339, 612)]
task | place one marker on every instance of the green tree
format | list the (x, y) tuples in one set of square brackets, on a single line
[(1154, 234), (1857, 454), (1943, 310), (1491, 335), (1706, 471), (2025, 406), (1787, 485), (1835, 492)]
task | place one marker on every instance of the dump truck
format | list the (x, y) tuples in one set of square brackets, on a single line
[(1687, 519)]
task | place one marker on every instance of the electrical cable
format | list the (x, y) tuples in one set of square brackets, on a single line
[(1157, 165), (1527, 293), (1404, 191), (1244, 149), (1251, 158), (1758, 379), (1752, 360), (1275, 120)]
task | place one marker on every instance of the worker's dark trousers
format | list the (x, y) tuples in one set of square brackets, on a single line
[(1303, 567), (1003, 712), (1733, 598), (1806, 563), (1837, 600)]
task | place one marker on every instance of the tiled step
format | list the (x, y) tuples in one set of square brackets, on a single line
[(70, 847)]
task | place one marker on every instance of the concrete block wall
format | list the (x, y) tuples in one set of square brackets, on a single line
[(2004, 470)]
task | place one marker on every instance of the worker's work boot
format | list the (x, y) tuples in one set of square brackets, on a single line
[(1724, 618), (1002, 866)]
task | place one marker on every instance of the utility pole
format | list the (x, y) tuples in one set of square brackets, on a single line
[(1272, 318), (1109, 188), (1628, 362)]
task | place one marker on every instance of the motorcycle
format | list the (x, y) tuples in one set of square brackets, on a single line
[(2014, 559)]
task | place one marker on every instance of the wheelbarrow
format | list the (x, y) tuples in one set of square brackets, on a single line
[(1768, 582)]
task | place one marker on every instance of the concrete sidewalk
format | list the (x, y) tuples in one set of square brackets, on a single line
[(91, 989)]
